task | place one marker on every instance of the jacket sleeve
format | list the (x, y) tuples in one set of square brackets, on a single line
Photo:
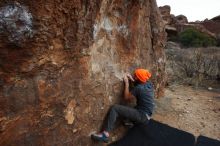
[(135, 91)]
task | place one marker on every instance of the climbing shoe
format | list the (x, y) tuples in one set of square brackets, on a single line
[(100, 137)]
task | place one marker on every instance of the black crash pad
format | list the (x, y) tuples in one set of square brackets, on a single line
[(155, 134), (206, 141)]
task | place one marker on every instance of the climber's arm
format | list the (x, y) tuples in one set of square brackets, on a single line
[(127, 95)]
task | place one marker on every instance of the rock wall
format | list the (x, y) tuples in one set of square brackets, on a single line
[(57, 85)]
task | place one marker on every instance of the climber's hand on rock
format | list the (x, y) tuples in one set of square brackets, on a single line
[(130, 77)]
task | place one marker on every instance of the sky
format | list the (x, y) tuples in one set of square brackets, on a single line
[(193, 9)]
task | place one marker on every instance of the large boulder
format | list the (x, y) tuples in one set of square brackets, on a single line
[(170, 19), (57, 86), (165, 12), (181, 19)]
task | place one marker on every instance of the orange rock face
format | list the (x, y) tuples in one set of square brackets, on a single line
[(57, 87)]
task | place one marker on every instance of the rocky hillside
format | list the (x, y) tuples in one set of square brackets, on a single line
[(178, 24), (61, 65), (213, 25)]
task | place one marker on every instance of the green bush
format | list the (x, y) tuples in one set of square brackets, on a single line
[(193, 38)]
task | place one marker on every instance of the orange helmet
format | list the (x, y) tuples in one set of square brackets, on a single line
[(142, 74)]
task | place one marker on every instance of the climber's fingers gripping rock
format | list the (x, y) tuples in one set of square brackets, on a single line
[(130, 77)]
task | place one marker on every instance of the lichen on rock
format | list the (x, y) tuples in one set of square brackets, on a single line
[(16, 23)]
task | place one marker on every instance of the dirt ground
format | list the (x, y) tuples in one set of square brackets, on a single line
[(193, 110)]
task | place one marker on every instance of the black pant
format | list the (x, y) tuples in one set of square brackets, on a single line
[(125, 112)]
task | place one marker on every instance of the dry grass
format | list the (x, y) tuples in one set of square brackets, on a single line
[(193, 66)]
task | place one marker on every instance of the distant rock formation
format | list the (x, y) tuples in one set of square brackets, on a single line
[(213, 25), (199, 27), (165, 12), (177, 24), (181, 19), (171, 19)]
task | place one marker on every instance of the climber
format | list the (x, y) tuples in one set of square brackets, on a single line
[(141, 113)]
